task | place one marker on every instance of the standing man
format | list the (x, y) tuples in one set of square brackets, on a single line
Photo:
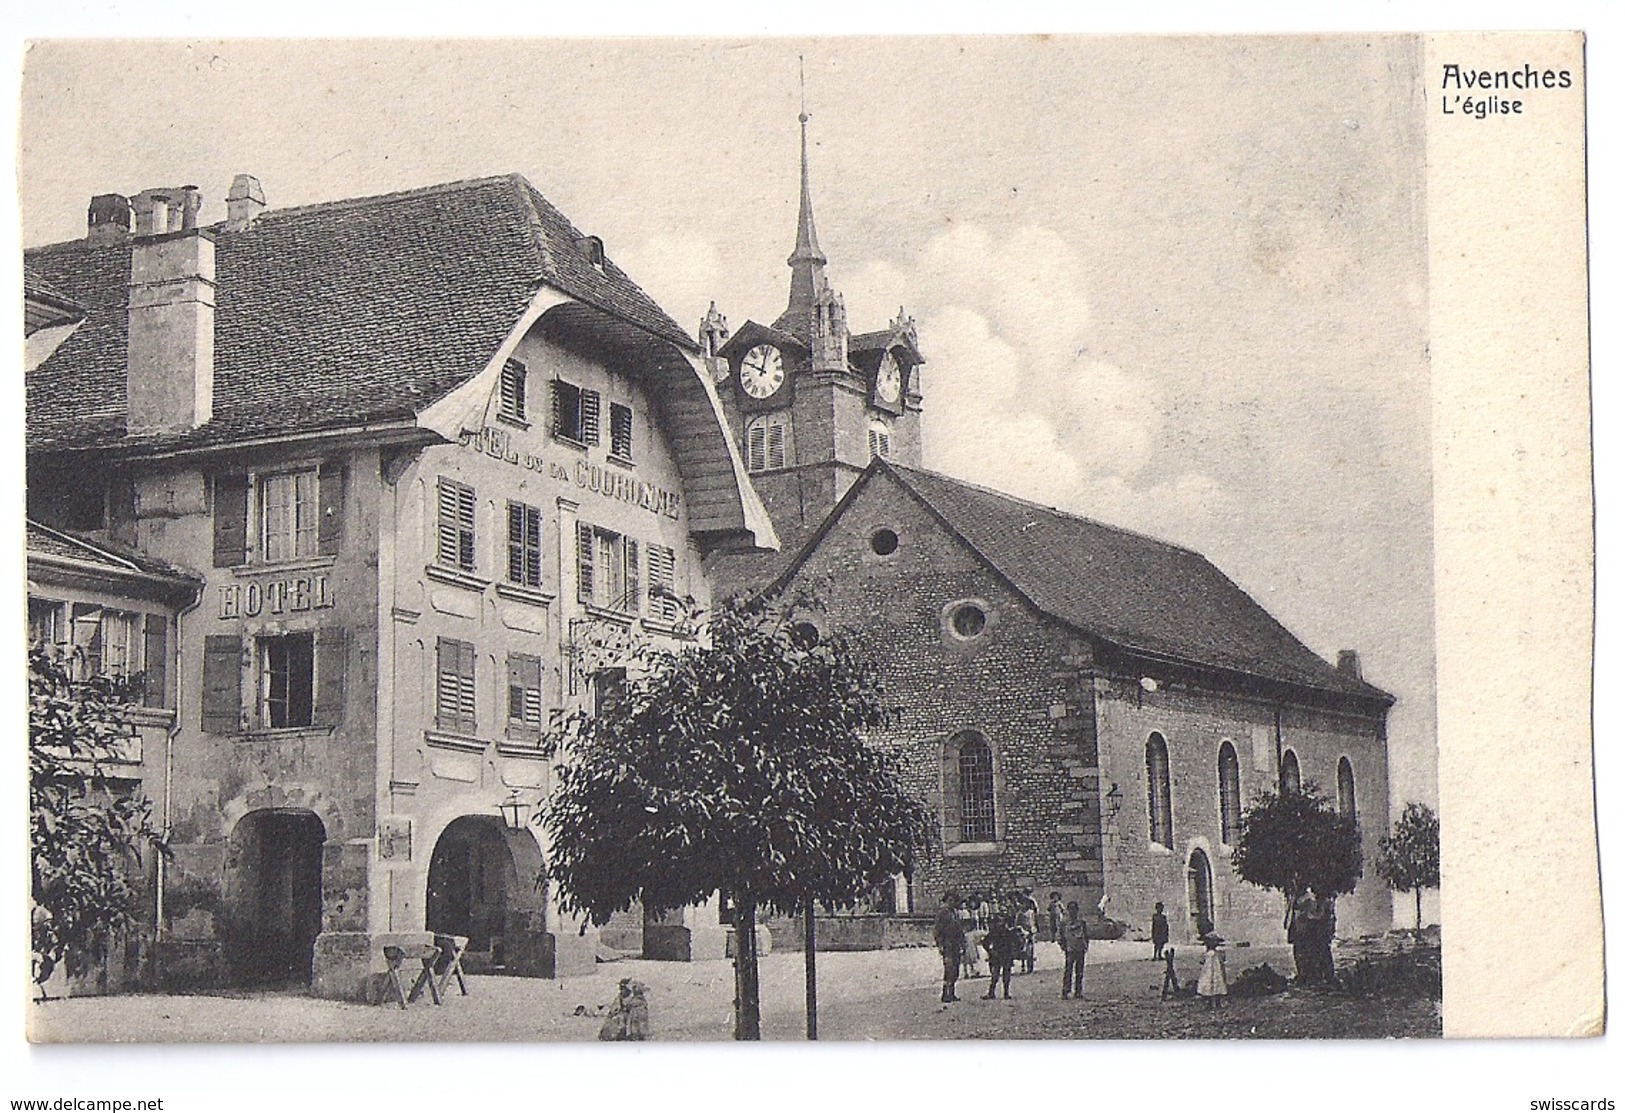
[(1075, 942), (1159, 931), (1057, 917), (1026, 911), (950, 940)]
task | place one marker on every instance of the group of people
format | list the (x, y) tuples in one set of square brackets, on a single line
[(1008, 933), (1311, 923)]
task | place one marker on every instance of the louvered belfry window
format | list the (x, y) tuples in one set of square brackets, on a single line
[(879, 441), (767, 444), (456, 525), (454, 688), (524, 545), (977, 822)]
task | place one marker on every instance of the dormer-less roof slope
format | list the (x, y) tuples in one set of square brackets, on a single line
[(332, 315), (63, 553), (1131, 591)]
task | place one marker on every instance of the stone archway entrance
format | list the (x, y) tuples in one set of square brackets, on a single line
[(272, 905), (1199, 891), (483, 883)]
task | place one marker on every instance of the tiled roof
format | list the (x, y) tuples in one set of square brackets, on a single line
[(335, 314), (36, 288), (1126, 589), (46, 542)]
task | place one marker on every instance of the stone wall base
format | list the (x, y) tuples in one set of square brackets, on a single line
[(187, 965), (678, 943)]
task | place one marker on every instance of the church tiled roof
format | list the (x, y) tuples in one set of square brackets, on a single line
[(1128, 590), (332, 315)]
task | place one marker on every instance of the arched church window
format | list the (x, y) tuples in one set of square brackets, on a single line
[(1229, 794), (977, 820), (1159, 792), (1345, 791), (769, 443), (1291, 775)]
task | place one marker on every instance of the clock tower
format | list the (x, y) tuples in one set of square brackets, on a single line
[(810, 402)]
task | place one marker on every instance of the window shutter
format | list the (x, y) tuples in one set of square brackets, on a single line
[(230, 520), (516, 543), (756, 448), (583, 562), (620, 430), (465, 688), (531, 677), (222, 683), (331, 658), (465, 526), (558, 408), (155, 658), (775, 446), (446, 521), (330, 524), (445, 671), (589, 416), (632, 600)]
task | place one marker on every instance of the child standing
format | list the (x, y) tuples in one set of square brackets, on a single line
[(1001, 943), (1211, 983), (1159, 932)]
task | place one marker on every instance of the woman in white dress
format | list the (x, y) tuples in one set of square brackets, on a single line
[(1211, 983)]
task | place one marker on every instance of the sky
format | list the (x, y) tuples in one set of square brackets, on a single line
[(1175, 284)]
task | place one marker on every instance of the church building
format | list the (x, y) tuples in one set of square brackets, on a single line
[(1086, 710), (387, 471)]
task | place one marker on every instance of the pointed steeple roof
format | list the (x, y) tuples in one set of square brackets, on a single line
[(807, 281)]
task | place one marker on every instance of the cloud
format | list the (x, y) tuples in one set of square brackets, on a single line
[(681, 271)]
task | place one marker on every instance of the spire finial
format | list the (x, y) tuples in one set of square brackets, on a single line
[(806, 236), (801, 63)]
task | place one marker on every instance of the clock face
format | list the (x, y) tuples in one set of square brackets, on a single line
[(761, 372), (888, 380)]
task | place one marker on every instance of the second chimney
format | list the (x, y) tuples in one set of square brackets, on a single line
[(245, 200), (170, 359)]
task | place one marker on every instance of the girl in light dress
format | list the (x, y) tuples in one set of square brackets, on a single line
[(1211, 983)]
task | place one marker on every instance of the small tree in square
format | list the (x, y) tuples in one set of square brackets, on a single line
[(1293, 841), (86, 833), (737, 763), (1408, 859)]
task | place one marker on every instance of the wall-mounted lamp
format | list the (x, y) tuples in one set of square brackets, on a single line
[(514, 811), (1114, 801)]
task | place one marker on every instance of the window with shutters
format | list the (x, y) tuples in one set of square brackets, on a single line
[(287, 666), (664, 604), (155, 660), (879, 440), (524, 697), (511, 391), (289, 507), (620, 431), (575, 412), (606, 569), (524, 545), (455, 529), (768, 443), (454, 687)]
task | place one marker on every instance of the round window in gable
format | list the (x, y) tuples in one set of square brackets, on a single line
[(883, 542), (968, 620)]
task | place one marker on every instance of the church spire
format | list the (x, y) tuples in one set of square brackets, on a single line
[(807, 280)]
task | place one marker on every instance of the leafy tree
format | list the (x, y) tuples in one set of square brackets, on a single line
[(1408, 859), (86, 834), (1293, 841), (736, 763)]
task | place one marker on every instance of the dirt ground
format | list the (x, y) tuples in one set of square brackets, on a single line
[(887, 995)]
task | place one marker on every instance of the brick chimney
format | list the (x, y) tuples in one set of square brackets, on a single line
[(244, 201), (170, 361), (109, 218), (1348, 661)]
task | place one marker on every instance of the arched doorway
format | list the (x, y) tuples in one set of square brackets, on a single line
[(1199, 892), (483, 883), (273, 897)]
